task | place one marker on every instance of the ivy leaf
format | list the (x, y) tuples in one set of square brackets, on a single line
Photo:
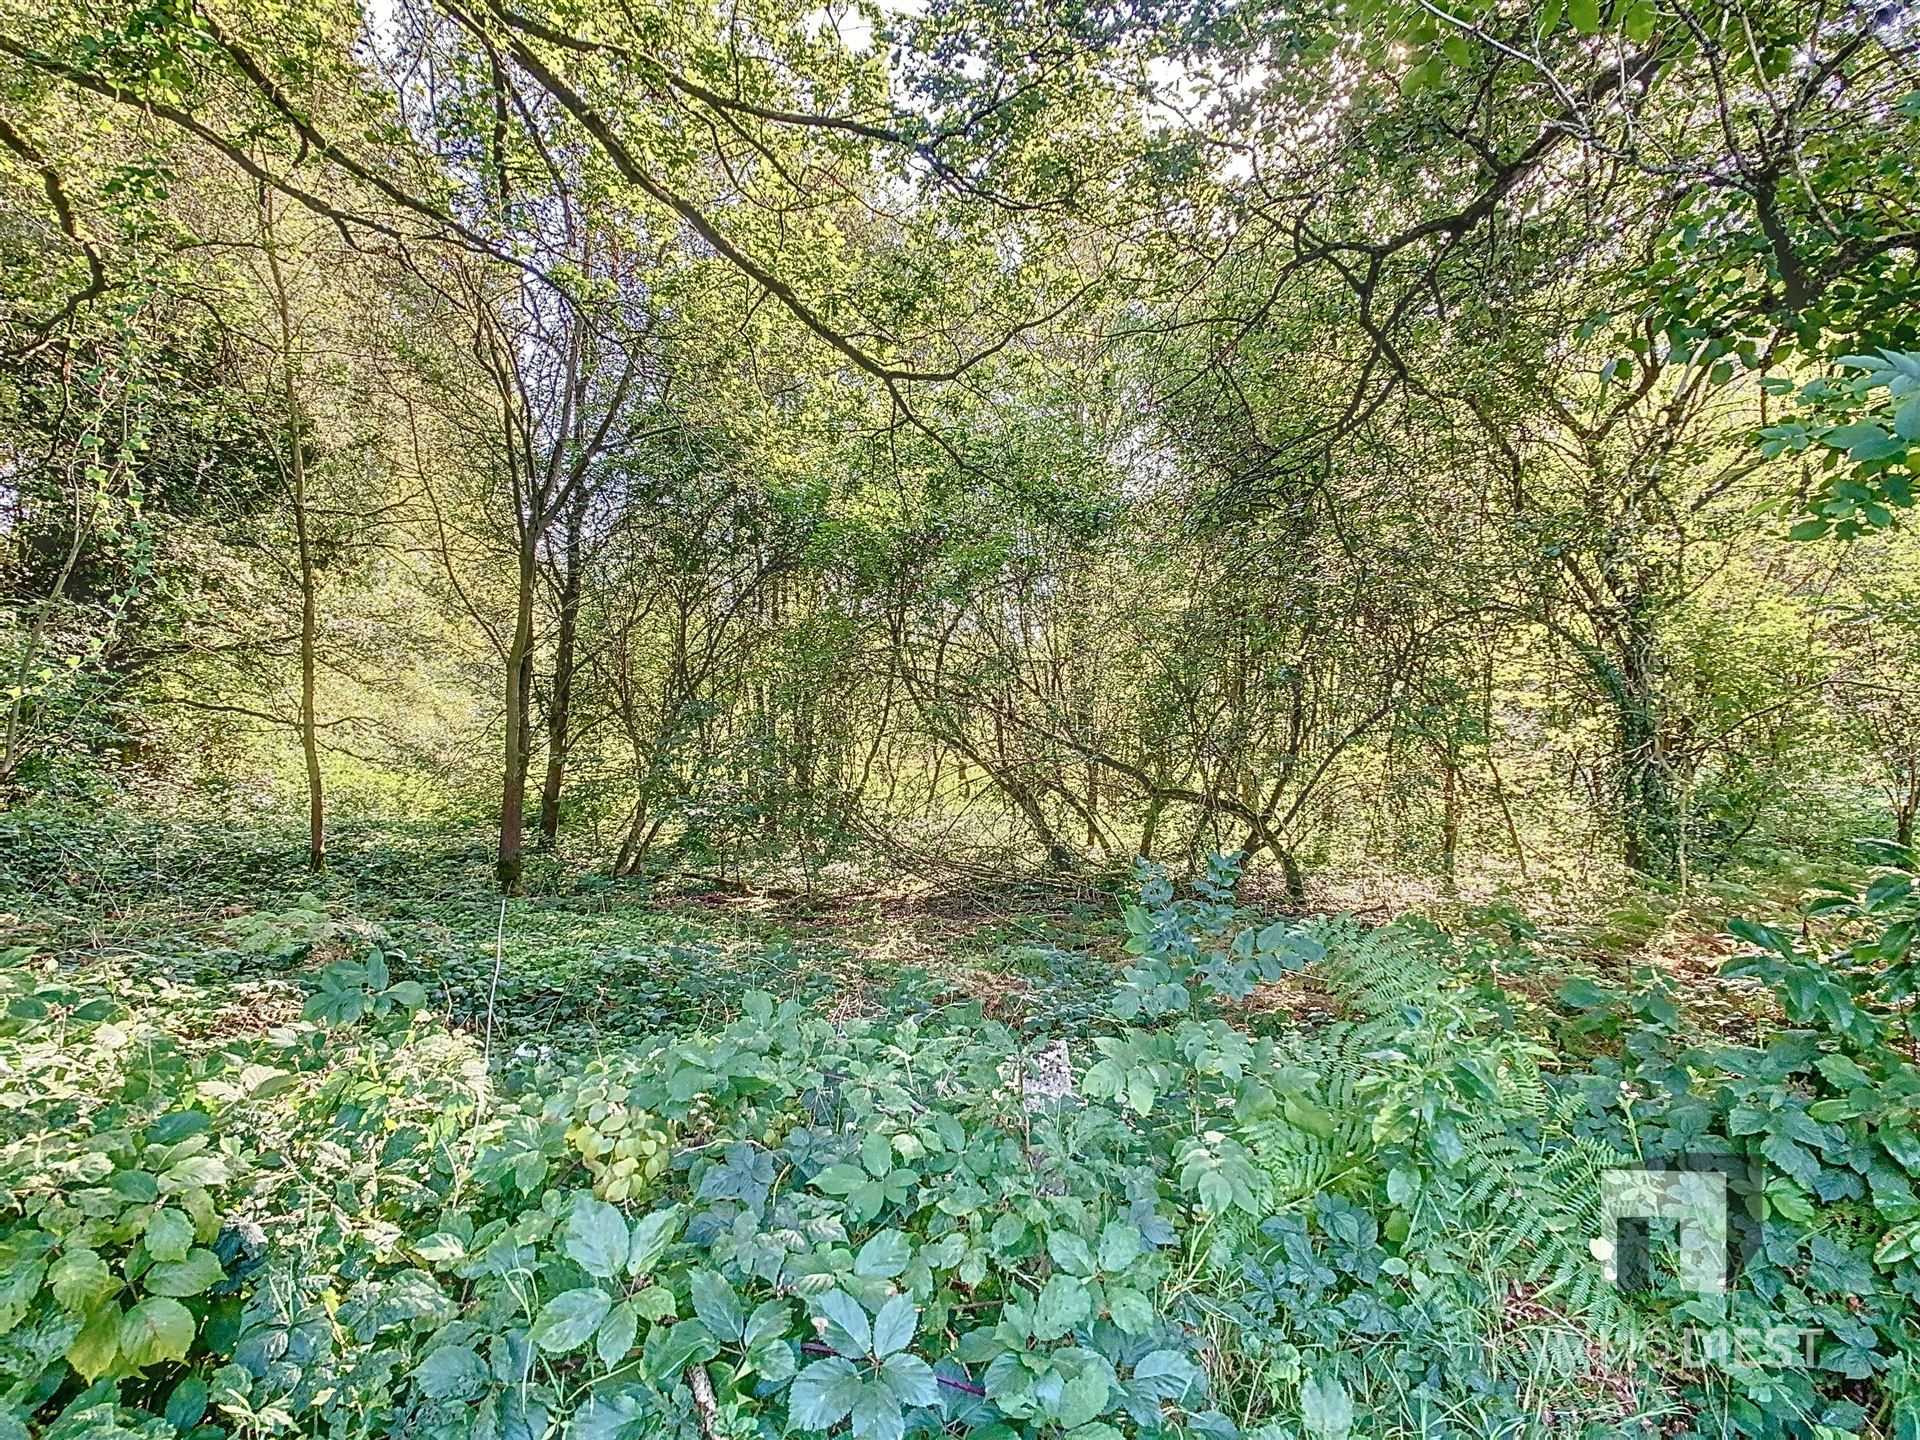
[(568, 1320), (158, 1328), (823, 1393), (596, 1237)]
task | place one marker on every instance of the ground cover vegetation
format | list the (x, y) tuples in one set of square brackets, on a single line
[(1019, 720)]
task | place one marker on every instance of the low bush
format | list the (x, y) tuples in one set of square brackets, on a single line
[(1195, 1217)]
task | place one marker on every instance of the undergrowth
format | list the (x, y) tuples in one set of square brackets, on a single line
[(344, 1197)]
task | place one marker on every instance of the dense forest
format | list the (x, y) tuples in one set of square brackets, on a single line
[(1027, 719)]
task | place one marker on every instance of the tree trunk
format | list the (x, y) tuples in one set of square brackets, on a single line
[(1293, 876), (1650, 809), (513, 788), (560, 704), (309, 596)]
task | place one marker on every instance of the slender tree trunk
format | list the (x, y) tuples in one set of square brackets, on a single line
[(513, 788), (309, 589), (1650, 804), (560, 703)]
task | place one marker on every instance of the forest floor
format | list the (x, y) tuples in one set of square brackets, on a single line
[(232, 922)]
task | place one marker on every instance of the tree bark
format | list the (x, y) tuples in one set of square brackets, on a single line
[(560, 702), (309, 588), (519, 668)]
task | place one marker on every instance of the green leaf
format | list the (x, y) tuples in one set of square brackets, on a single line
[(1070, 1252), (671, 1348), (771, 1320), (169, 1235), (453, 1372), (848, 1329), (158, 1328), (651, 1236), (187, 1403), (1063, 1303), (596, 1237), (893, 1327), (1906, 419), (1639, 21), (80, 1279), (1088, 1391), (195, 1275), (1325, 1408), (1167, 1375), (911, 1379), (884, 1256), (96, 1349), (876, 1414), (1120, 1246), (614, 1340), (717, 1306), (1132, 1312), (568, 1320), (1585, 15), (823, 1393)]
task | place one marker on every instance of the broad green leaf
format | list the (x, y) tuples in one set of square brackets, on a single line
[(1325, 1408), (614, 1339), (848, 1331), (195, 1275), (893, 1327), (96, 1349), (80, 1279), (823, 1394), (1063, 1303), (169, 1235), (717, 1306), (187, 1403), (158, 1328), (1070, 1252), (453, 1372), (1120, 1246), (568, 1320), (596, 1237), (911, 1380), (884, 1256), (651, 1236)]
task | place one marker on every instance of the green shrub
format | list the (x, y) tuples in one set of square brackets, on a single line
[(1191, 1221)]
